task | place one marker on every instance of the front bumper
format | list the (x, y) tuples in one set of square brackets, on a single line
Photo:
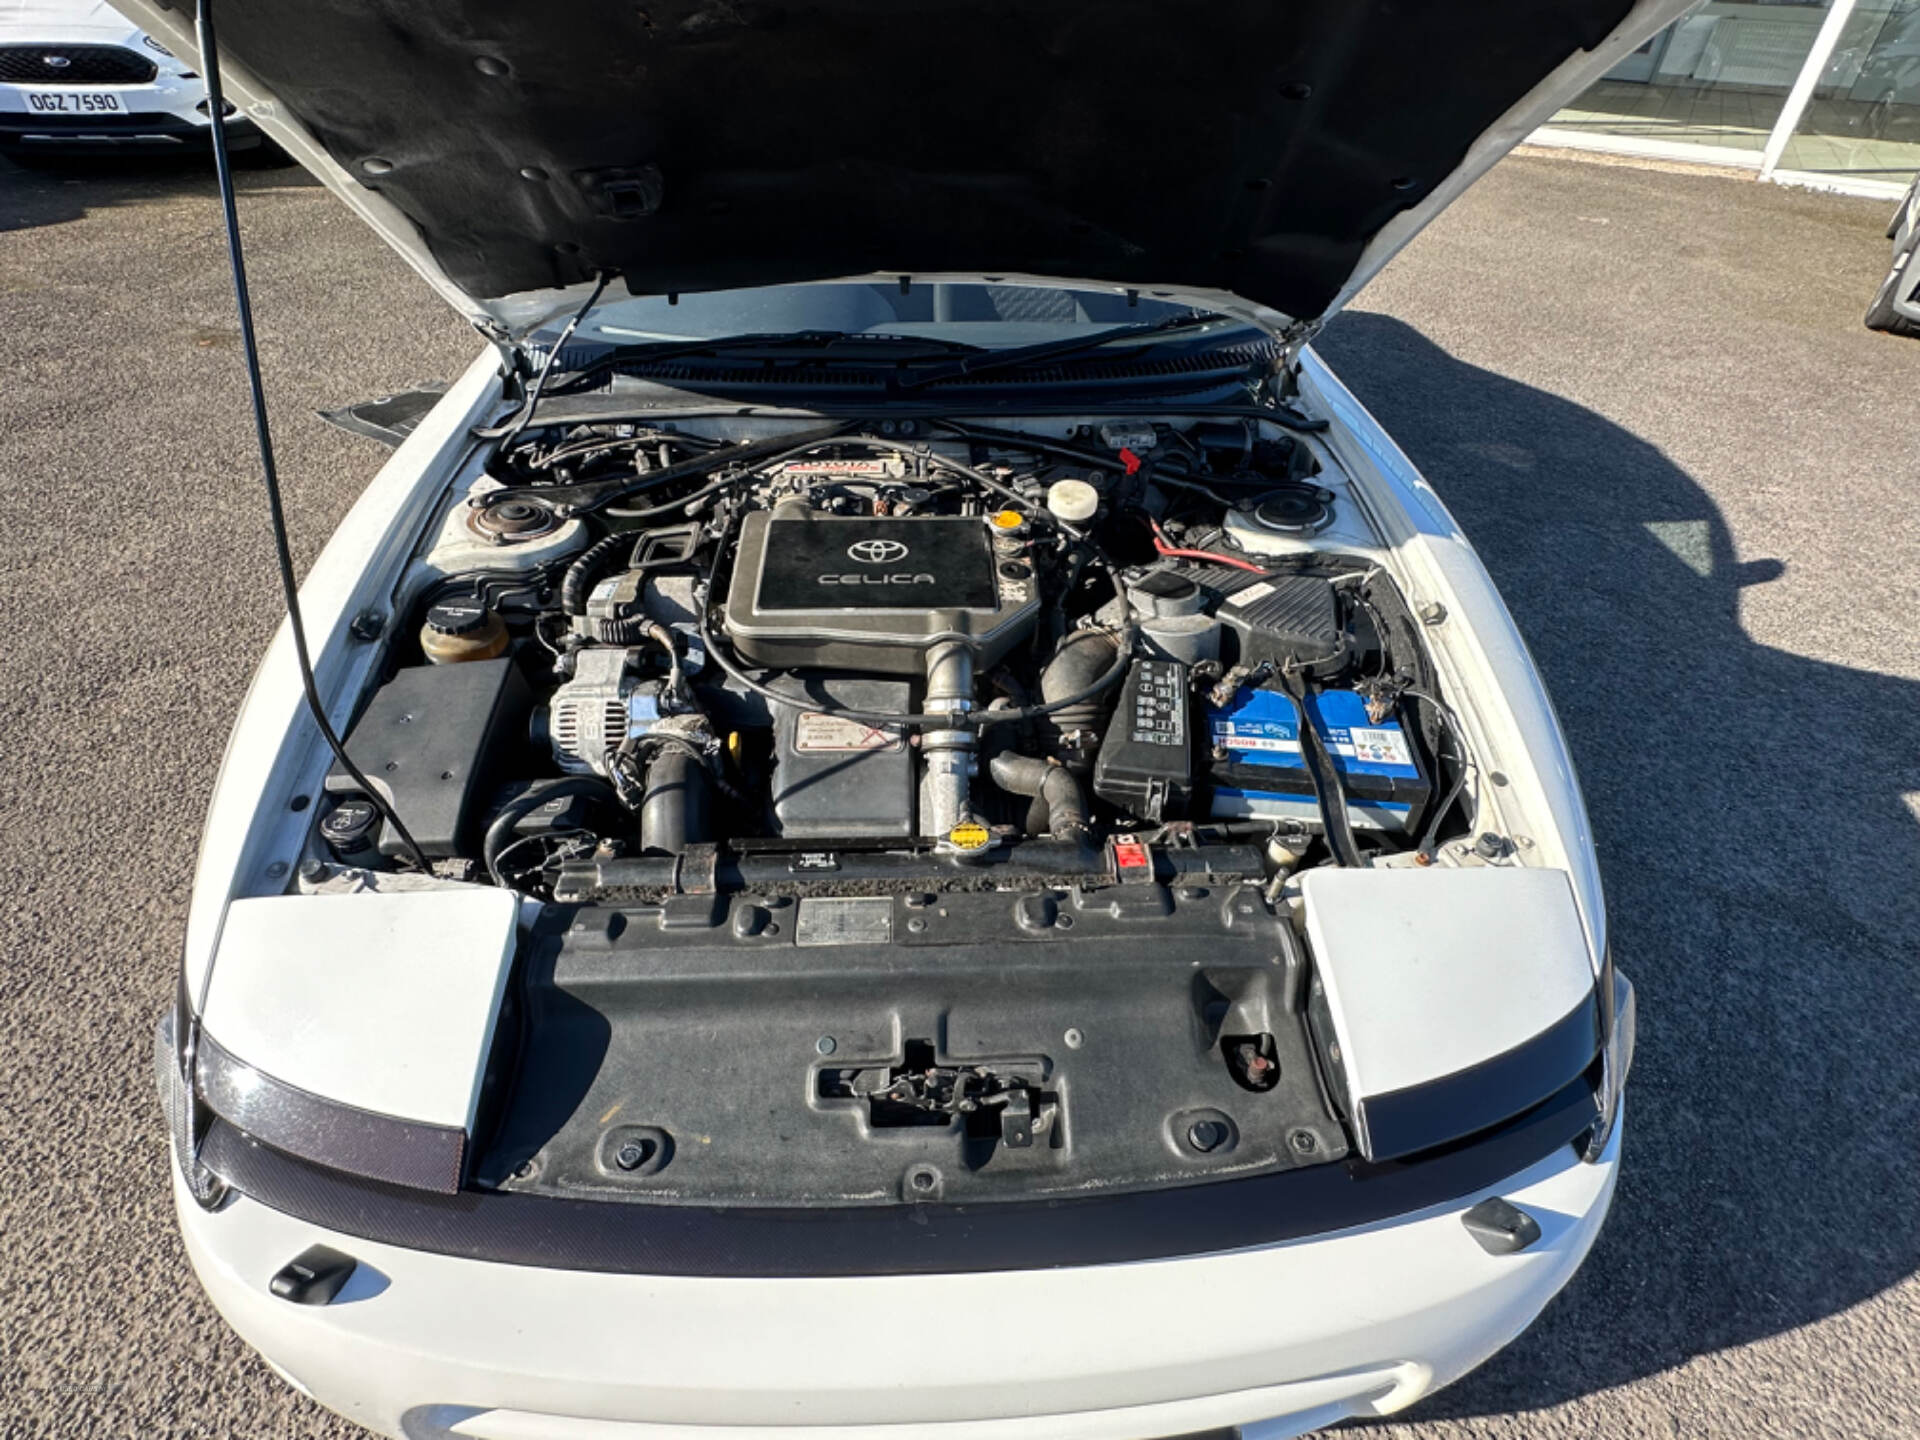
[(1277, 1340), (159, 116)]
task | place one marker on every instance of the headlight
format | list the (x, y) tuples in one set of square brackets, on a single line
[(1619, 1018)]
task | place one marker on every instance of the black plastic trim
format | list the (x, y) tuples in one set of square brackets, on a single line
[(620, 1237), (312, 1127), (1405, 1122)]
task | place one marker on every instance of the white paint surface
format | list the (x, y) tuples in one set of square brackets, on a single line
[(385, 1002), (1430, 972)]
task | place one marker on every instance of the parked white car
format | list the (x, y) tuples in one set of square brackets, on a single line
[(937, 835), (77, 77), (1896, 305)]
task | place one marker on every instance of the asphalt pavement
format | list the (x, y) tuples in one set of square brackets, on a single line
[(1647, 396)]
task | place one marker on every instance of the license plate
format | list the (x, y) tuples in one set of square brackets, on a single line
[(73, 102)]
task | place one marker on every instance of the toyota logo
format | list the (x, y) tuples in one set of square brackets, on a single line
[(877, 552), (57, 62)]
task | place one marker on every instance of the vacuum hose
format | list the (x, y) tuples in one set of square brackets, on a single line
[(1053, 785)]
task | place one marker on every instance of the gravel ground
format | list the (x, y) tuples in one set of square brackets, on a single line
[(1648, 398)]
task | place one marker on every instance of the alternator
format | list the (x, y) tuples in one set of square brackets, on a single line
[(603, 705)]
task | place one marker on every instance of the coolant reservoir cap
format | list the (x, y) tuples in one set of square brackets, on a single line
[(1072, 500), (1008, 519), (458, 617), (969, 838)]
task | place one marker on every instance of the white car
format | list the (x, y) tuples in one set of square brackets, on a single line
[(936, 834), (1896, 305), (78, 77)]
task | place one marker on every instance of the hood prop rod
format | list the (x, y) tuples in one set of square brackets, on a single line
[(269, 473)]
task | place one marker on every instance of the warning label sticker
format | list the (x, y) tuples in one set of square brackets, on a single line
[(817, 734), (1384, 746)]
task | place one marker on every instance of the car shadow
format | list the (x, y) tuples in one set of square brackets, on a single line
[(62, 188), (1755, 817)]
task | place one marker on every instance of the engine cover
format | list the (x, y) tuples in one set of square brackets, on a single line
[(874, 594)]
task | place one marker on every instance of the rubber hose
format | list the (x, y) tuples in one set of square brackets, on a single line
[(1055, 784), (500, 832), (673, 813), (1078, 661), (584, 571)]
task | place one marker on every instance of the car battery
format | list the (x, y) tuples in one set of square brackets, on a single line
[(1146, 760), (1257, 770)]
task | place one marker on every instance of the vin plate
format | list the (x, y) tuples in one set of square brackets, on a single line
[(837, 921)]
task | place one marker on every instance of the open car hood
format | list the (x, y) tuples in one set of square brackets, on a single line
[(1264, 157)]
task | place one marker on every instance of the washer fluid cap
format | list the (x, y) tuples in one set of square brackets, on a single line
[(1074, 501)]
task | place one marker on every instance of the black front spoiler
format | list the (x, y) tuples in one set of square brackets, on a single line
[(907, 1239)]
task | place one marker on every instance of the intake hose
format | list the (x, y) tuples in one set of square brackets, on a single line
[(1078, 661), (1052, 784), (673, 811), (586, 569)]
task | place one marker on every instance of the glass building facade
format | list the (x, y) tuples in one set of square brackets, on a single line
[(1823, 92)]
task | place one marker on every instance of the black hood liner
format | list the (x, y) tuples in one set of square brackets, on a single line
[(1246, 145)]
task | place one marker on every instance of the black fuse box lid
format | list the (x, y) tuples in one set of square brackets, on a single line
[(1146, 760)]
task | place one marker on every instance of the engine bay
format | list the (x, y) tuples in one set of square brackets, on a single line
[(916, 638), (891, 761)]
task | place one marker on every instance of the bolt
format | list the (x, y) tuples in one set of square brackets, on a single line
[(916, 924), (1432, 613), (826, 1045), (524, 1171), (1207, 1135), (1074, 1039), (313, 871), (631, 1156), (277, 870), (1303, 1141), (368, 625)]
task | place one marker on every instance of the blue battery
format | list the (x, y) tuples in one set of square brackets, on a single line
[(1257, 769)]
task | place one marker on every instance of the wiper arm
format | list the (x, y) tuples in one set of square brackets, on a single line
[(1023, 355)]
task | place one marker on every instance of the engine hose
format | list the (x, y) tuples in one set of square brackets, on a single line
[(500, 832), (1081, 656), (584, 571), (1066, 804), (673, 813)]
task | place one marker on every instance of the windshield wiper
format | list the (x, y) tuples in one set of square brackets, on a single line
[(1022, 356)]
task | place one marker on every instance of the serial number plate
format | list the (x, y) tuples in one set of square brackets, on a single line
[(836, 920), (74, 102)]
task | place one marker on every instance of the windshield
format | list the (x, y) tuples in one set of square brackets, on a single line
[(974, 314)]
